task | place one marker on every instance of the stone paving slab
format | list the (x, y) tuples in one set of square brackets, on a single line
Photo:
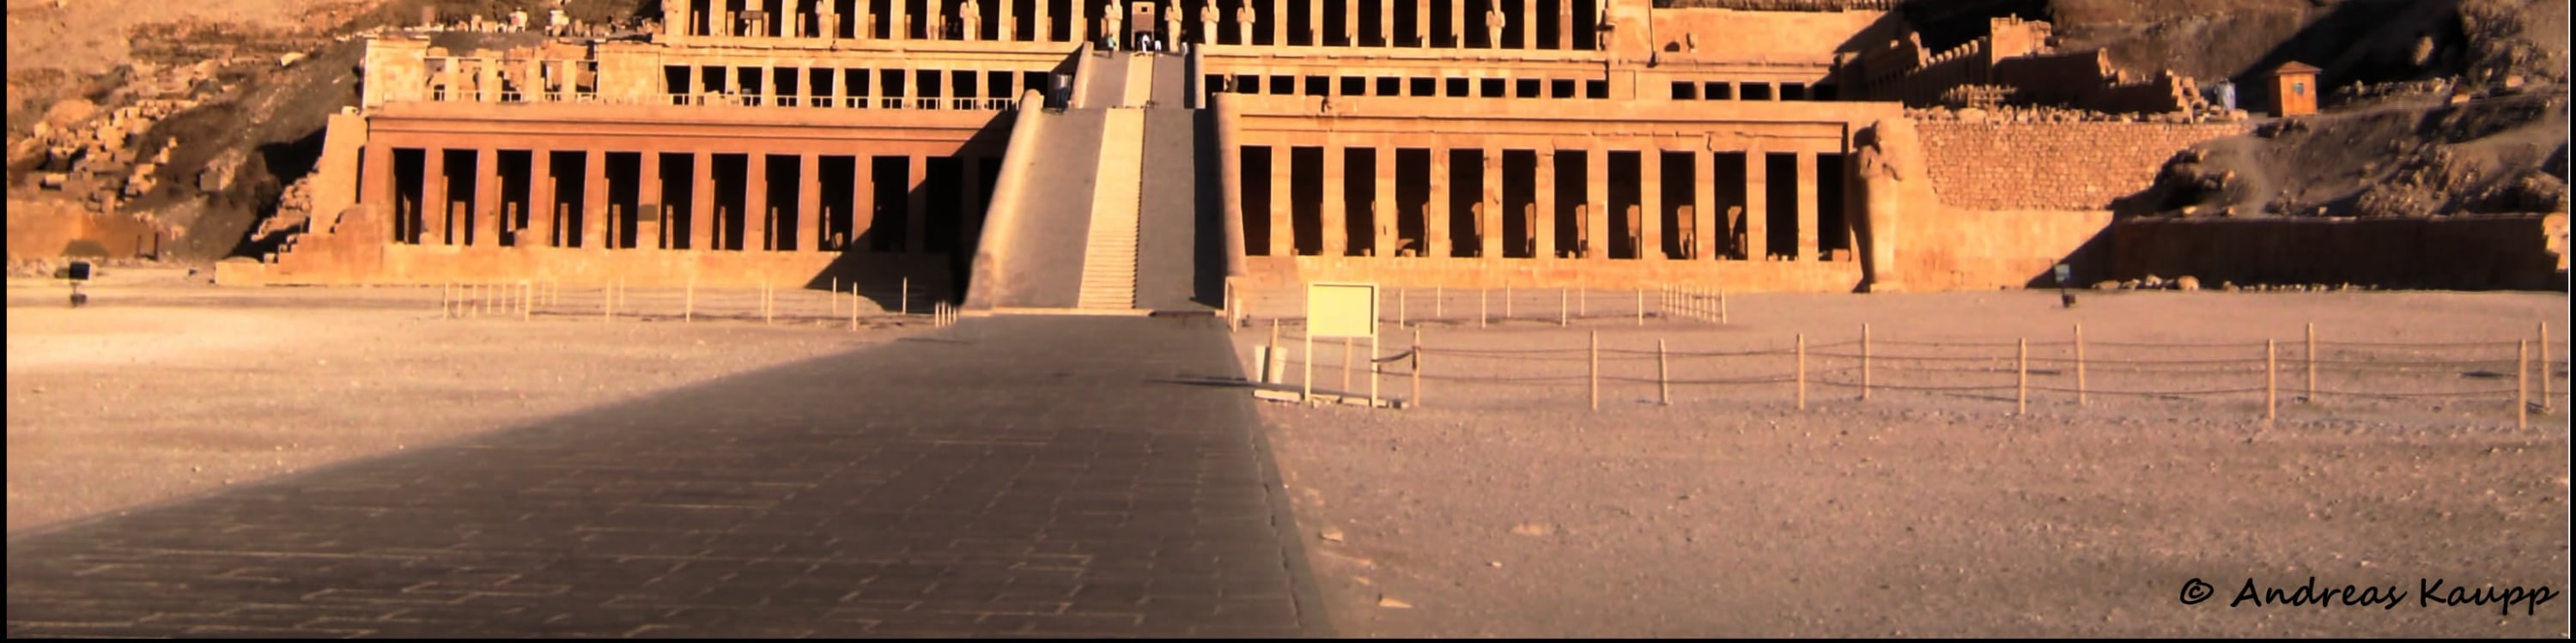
[(1014, 476)]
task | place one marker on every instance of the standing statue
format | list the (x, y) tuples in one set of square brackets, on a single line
[(1207, 24), (971, 16), (1244, 16), (1171, 23), (1494, 20), (1112, 22)]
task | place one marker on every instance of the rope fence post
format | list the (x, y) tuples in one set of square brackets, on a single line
[(1507, 305), (689, 301), (1399, 307), (1802, 371), (2311, 356), (2522, 384), (854, 305), (1721, 308), (1373, 369), (527, 301), (1663, 376), (1417, 367), (1440, 301), (1346, 365), (2547, 402), (836, 292), (1562, 298), (1641, 306), (2271, 382), (2021, 378), (1596, 370), (447, 300), (1309, 395), (1864, 362), (1480, 307), (2083, 395)]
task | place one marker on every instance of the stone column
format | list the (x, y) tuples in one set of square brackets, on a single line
[(1283, 221), (375, 180), (1490, 218), (1315, 24), (1278, 15), (1545, 223), (721, 22), (594, 199), (863, 200), (1382, 217), (487, 198), (1386, 21), (702, 199), (487, 89), (970, 210), (1705, 226), (898, 25), (1458, 24), (571, 81), (433, 200), (1007, 30), (840, 88), (1334, 211), (1041, 25), (1596, 203), (1807, 173), (755, 203), (649, 220), (1650, 203), (1757, 173), (541, 200), (768, 86), (675, 18), (863, 22), (873, 98), (809, 202), (917, 220), (1436, 213), (1421, 22), (1564, 24)]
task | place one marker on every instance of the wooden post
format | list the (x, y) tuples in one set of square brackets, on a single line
[(906, 297), (1480, 308), (1583, 304), (1596, 370), (527, 301), (1440, 302), (2021, 375), (2311, 357), (1864, 361), (1346, 365), (1373, 368), (1663, 376), (1400, 303), (447, 300), (1721, 308), (2271, 381), (1802, 371), (1417, 367), (2083, 395), (768, 303), (1309, 396), (2522, 384), (689, 301), (854, 305), (1507, 315), (836, 292), (1562, 297), (2546, 401)]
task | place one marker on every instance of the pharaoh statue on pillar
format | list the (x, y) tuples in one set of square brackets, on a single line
[(971, 17), (1890, 163), (1244, 17), (1171, 22), (1207, 24)]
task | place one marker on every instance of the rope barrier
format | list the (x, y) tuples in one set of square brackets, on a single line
[(2097, 391)]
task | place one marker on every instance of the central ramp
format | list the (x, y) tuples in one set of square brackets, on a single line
[(1107, 206)]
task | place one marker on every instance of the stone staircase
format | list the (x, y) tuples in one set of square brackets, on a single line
[(1109, 256)]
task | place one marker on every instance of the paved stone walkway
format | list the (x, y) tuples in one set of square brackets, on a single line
[(1010, 476)]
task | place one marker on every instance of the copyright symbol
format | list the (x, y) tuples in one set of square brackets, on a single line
[(2194, 592)]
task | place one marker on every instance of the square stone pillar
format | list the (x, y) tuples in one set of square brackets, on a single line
[(863, 23), (898, 25), (970, 211), (594, 200), (840, 87), (1458, 24), (1544, 227), (675, 18), (1315, 24), (755, 203), (1283, 221), (1382, 202), (541, 201), (650, 212), (1006, 30), (1596, 203), (486, 212), (916, 219), (375, 180), (433, 200), (863, 200), (1564, 25), (1807, 233), (1041, 24), (809, 202), (1385, 26), (720, 23), (1650, 203), (1278, 15), (1757, 203), (1421, 22), (702, 199), (1334, 211), (1489, 235), (571, 78), (1705, 226), (1436, 213)]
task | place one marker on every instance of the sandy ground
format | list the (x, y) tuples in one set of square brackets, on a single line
[(163, 388), (1512, 510)]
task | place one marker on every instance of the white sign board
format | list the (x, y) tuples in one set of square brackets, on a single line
[(1341, 310)]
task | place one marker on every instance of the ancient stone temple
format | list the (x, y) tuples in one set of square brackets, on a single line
[(1002, 150)]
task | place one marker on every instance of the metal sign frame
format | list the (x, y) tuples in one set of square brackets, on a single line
[(1341, 309)]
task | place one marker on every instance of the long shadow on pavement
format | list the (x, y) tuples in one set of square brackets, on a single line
[(1042, 476)]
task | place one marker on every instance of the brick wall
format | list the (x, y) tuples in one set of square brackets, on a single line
[(2052, 166)]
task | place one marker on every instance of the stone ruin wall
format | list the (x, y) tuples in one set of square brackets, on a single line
[(2052, 166)]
